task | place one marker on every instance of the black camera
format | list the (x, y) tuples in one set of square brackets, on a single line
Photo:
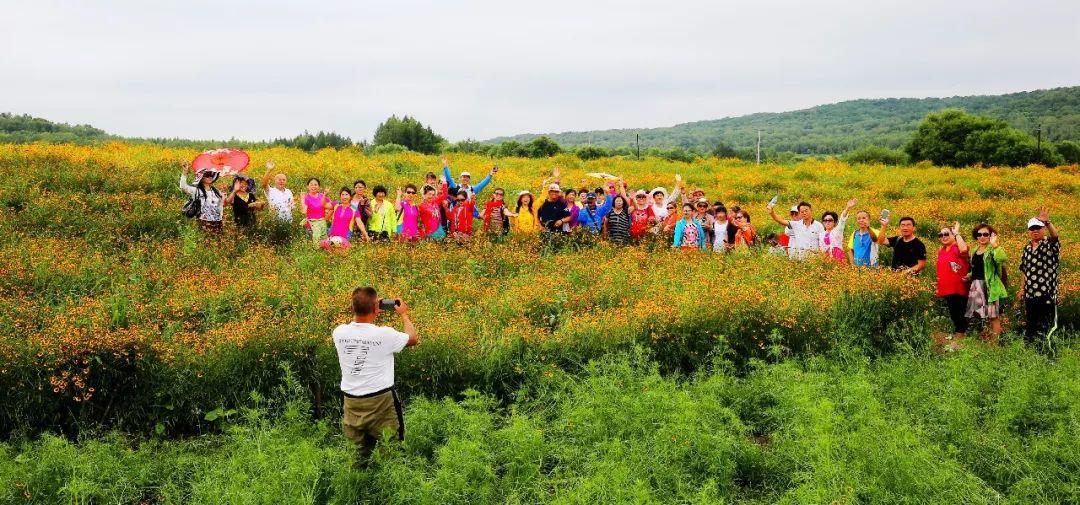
[(388, 303)]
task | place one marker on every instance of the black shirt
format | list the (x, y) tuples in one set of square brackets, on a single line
[(243, 215), (552, 211), (978, 267), (906, 254)]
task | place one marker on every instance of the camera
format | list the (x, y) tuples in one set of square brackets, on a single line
[(388, 303)]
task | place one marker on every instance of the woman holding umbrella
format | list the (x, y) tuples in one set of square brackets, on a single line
[(208, 198), (208, 166)]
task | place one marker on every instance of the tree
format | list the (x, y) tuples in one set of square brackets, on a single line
[(388, 149), (408, 132), (542, 147), (512, 148), (952, 137), (724, 150), (589, 152), (1069, 151), (869, 155)]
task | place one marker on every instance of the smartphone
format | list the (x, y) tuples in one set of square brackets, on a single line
[(388, 303), (772, 203), (884, 214)]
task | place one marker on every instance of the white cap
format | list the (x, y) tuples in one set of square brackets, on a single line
[(466, 174), (795, 208), (640, 192), (1035, 222), (524, 192), (554, 187), (658, 189)]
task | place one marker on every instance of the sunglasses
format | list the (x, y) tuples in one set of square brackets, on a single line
[(460, 199), (410, 192), (828, 220), (640, 197), (1035, 228), (672, 207), (944, 234), (498, 193), (983, 234)]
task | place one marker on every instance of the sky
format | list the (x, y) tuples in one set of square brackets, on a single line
[(260, 70)]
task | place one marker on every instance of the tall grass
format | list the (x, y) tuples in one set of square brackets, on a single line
[(978, 426)]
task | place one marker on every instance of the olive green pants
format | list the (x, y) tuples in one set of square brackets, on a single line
[(365, 420)]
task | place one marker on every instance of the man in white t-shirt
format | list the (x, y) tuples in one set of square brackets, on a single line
[(805, 231), (366, 355), (278, 195)]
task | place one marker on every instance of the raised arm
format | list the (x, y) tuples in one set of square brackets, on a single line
[(266, 176), (844, 215), (960, 244), (883, 238), (184, 186), (486, 180), (446, 174), (675, 191), (1051, 230), (403, 310), (779, 220)]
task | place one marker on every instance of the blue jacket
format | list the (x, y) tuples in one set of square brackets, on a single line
[(594, 221), (473, 190), (680, 226)]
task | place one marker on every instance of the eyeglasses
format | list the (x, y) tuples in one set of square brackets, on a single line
[(498, 193), (944, 234), (640, 197), (983, 234)]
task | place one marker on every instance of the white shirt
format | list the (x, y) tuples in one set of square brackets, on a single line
[(720, 235), (836, 236), (804, 238), (366, 355), (281, 202)]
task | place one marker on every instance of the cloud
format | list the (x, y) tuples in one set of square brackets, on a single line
[(480, 69)]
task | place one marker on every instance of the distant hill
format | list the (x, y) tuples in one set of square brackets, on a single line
[(20, 129), (841, 127), (17, 129)]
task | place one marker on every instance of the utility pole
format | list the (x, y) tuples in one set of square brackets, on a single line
[(1038, 143), (759, 147), (638, 141)]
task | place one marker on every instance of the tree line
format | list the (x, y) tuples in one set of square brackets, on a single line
[(949, 137)]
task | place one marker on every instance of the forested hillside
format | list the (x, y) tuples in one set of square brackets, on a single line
[(841, 127)]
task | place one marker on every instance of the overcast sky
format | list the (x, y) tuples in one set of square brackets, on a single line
[(219, 69)]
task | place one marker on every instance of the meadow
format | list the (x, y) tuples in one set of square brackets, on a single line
[(143, 361)]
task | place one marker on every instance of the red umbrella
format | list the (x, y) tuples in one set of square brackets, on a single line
[(225, 161)]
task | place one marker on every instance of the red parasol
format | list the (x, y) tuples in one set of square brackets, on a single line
[(225, 161)]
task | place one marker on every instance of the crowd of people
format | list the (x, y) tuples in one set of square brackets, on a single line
[(971, 280)]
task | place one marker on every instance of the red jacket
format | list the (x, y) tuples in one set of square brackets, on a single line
[(461, 217)]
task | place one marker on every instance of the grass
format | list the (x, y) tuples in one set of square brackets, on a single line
[(142, 362), (983, 425)]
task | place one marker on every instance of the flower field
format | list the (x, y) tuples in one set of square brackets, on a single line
[(117, 312)]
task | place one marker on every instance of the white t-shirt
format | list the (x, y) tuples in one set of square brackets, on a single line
[(720, 235), (366, 355), (660, 211), (804, 238), (281, 202)]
